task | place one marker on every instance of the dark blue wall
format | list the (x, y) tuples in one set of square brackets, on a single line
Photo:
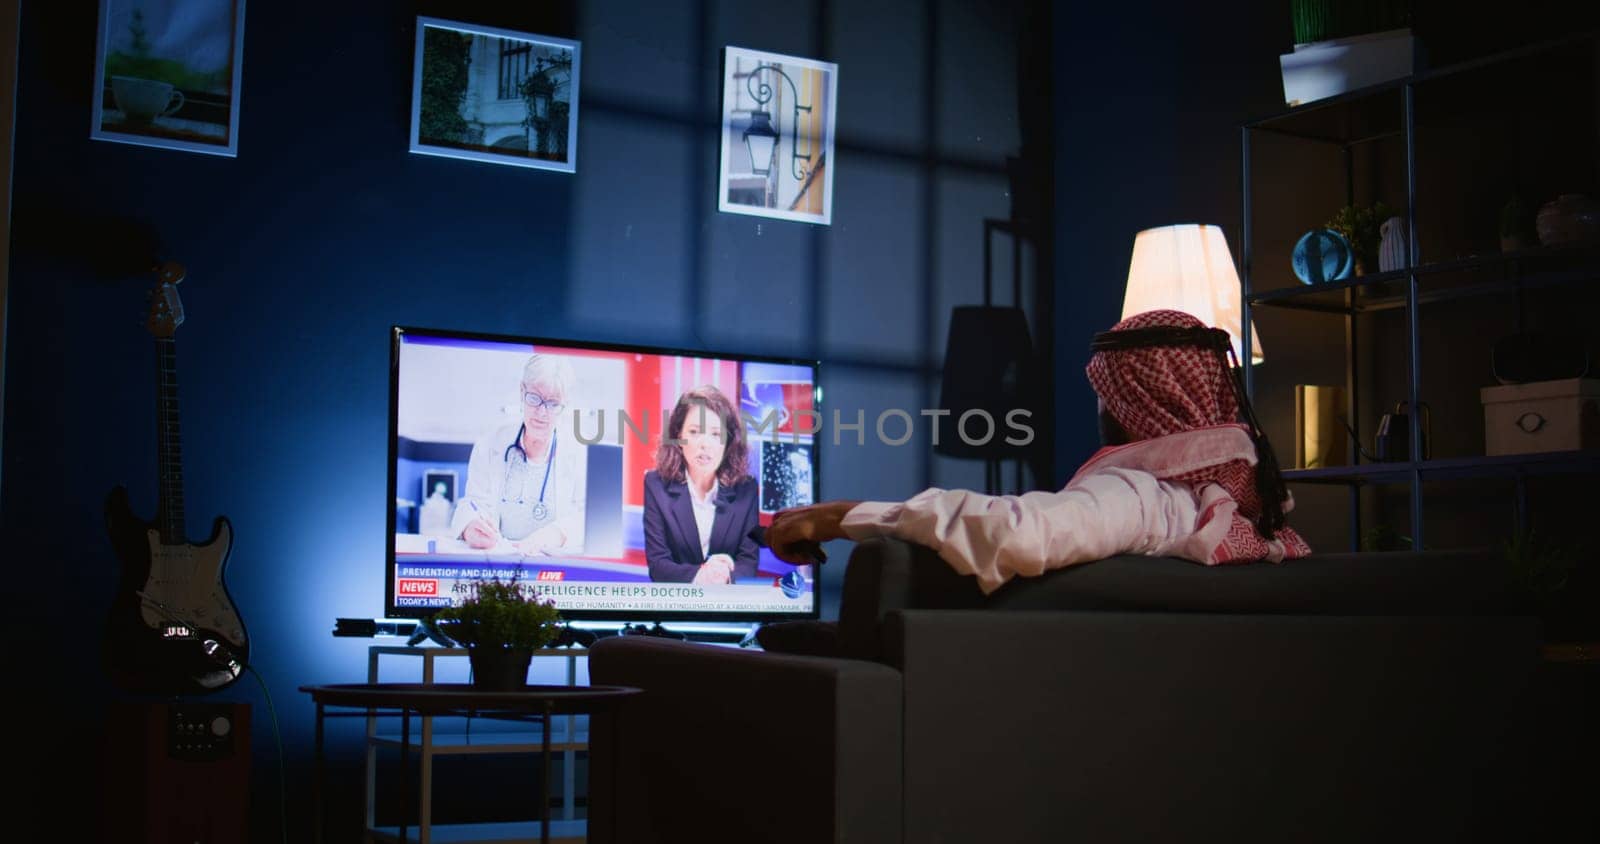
[(324, 231), (1148, 104)]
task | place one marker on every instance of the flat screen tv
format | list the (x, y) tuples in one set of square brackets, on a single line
[(602, 476)]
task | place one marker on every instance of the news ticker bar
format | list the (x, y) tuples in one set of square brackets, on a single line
[(667, 597)]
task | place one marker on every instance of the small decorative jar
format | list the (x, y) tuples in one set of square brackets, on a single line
[(1571, 219)]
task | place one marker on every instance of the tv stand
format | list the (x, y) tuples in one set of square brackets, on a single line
[(657, 631), (426, 631), (729, 636)]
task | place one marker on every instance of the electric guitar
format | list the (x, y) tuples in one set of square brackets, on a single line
[(173, 628)]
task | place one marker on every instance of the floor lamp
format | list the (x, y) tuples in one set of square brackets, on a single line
[(1188, 268), (988, 371)]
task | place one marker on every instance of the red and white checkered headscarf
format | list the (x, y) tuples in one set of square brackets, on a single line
[(1158, 390), (1155, 391)]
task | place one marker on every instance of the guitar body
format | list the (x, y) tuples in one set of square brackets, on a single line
[(170, 604), (173, 628)]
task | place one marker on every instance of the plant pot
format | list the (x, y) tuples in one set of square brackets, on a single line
[(1514, 243), (499, 669), (1326, 68)]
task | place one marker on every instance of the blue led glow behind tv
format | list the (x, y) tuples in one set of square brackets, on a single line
[(571, 518)]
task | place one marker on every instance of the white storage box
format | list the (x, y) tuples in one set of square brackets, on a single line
[(1541, 416), (1328, 68)]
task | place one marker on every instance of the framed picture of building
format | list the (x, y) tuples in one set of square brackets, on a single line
[(495, 95), (777, 136), (167, 74)]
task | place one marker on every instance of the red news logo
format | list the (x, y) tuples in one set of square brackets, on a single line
[(551, 575), (419, 587)]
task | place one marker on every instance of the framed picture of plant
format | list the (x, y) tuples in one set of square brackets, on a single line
[(167, 74), (440, 482), (495, 95)]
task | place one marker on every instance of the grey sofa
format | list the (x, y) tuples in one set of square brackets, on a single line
[(1370, 697)]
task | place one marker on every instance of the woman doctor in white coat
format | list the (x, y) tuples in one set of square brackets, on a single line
[(525, 481)]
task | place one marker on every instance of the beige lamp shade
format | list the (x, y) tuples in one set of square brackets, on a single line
[(1188, 268)]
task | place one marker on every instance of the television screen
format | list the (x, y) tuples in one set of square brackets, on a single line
[(621, 482)]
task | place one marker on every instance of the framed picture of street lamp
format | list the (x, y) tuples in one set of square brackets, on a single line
[(777, 136), (495, 95), (167, 74)]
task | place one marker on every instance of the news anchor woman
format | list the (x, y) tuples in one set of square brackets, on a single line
[(700, 502)]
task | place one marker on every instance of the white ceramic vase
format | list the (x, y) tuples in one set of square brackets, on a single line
[(1392, 247)]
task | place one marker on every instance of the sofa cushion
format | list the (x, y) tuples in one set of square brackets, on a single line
[(1412, 583), (887, 574)]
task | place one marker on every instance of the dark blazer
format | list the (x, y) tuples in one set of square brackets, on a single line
[(672, 542)]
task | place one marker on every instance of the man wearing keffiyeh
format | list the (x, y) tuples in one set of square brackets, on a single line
[(1189, 481)]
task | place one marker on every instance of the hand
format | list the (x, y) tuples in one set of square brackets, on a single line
[(722, 560), (542, 540), (717, 569), (479, 533), (796, 536)]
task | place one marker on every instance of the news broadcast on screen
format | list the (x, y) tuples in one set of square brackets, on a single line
[(620, 482)]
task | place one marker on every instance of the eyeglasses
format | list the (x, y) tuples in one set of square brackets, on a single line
[(536, 401)]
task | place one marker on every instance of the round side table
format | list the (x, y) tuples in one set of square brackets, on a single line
[(530, 703)]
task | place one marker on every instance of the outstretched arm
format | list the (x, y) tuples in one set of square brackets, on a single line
[(996, 538), (795, 536)]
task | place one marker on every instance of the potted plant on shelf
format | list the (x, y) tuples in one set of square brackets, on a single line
[(1323, 20), (1541, 568), (1362, 229), (1340, 45), (1384, 538), (501, 624)]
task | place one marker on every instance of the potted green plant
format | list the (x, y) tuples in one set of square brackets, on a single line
[(1322, 20), (500, 624), (1384, 538), (1540, 568), (1360, 226)]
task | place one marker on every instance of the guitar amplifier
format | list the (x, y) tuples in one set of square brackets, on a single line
[(177, 773)]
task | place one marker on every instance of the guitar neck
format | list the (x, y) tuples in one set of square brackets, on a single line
[(169, 448)]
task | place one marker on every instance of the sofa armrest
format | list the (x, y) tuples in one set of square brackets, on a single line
[(887, 574), (735, 745)]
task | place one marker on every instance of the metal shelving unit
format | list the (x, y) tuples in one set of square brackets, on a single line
[(1370, 115), (1527, 269), (1451, 468)]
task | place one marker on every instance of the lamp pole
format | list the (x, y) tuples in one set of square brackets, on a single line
[(761, 137)]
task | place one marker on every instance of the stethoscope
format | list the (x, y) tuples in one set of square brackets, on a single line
[(539, 510)]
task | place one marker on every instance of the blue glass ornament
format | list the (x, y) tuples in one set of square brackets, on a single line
[(1323, 255)]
